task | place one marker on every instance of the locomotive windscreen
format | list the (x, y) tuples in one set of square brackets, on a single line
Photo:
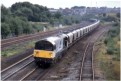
[(44, 45)]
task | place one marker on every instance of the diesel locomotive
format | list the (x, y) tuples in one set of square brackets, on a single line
[(49, 49)]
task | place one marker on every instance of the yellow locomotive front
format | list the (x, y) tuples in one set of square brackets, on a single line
[(43, 52)]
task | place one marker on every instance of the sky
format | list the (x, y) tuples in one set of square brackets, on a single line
[(67, 3)]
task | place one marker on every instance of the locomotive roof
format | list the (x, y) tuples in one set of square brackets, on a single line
[(52, 39)]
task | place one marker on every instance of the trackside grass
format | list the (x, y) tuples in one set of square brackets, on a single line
[(108, 55)]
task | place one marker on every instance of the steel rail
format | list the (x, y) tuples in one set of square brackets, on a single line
[(82, 64), (28, 74), (17, 70), (16, 63)]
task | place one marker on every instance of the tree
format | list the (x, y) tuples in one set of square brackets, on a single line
[(4, 13), (52, 21), (5, 30), (57, 15), (32, 12), (27, 29), (104, 14), (68, 22), (118, 15)]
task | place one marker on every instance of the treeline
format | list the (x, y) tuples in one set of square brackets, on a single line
[(110, 18), (16, 19), (32, 12), (12, 25)]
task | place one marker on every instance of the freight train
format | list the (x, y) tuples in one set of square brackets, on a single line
[(49, 49)]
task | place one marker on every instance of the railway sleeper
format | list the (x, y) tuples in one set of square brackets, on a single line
[(87, 65), (86, 76)]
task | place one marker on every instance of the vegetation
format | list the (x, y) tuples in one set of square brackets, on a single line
[(110, 17), (108, 56), (112, 41), (32, 12), (17, 19), (18, 48), (69, 20), (12, 25), (110, 68)]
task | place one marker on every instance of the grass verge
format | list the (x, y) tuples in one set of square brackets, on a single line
[(108, 55)]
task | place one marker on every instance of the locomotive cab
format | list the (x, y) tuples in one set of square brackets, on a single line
[(43, 52), (44, 45)]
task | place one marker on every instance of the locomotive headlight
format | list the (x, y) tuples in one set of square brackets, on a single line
[(51, 54), (36, 53)]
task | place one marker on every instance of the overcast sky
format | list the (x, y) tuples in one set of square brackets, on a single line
[(67, 3)]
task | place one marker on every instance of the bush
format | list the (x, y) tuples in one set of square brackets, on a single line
[(5, 30), (109, 18), (110, 42), (116, 24), (106, 40), (37, 27), (110, 51)]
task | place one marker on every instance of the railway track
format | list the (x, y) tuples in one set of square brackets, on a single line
[(8, 42), (16, 38), (13, 69), (25, 38), (32, 75), (11, 72), (28, 74), (16, 63), (87, 72)]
